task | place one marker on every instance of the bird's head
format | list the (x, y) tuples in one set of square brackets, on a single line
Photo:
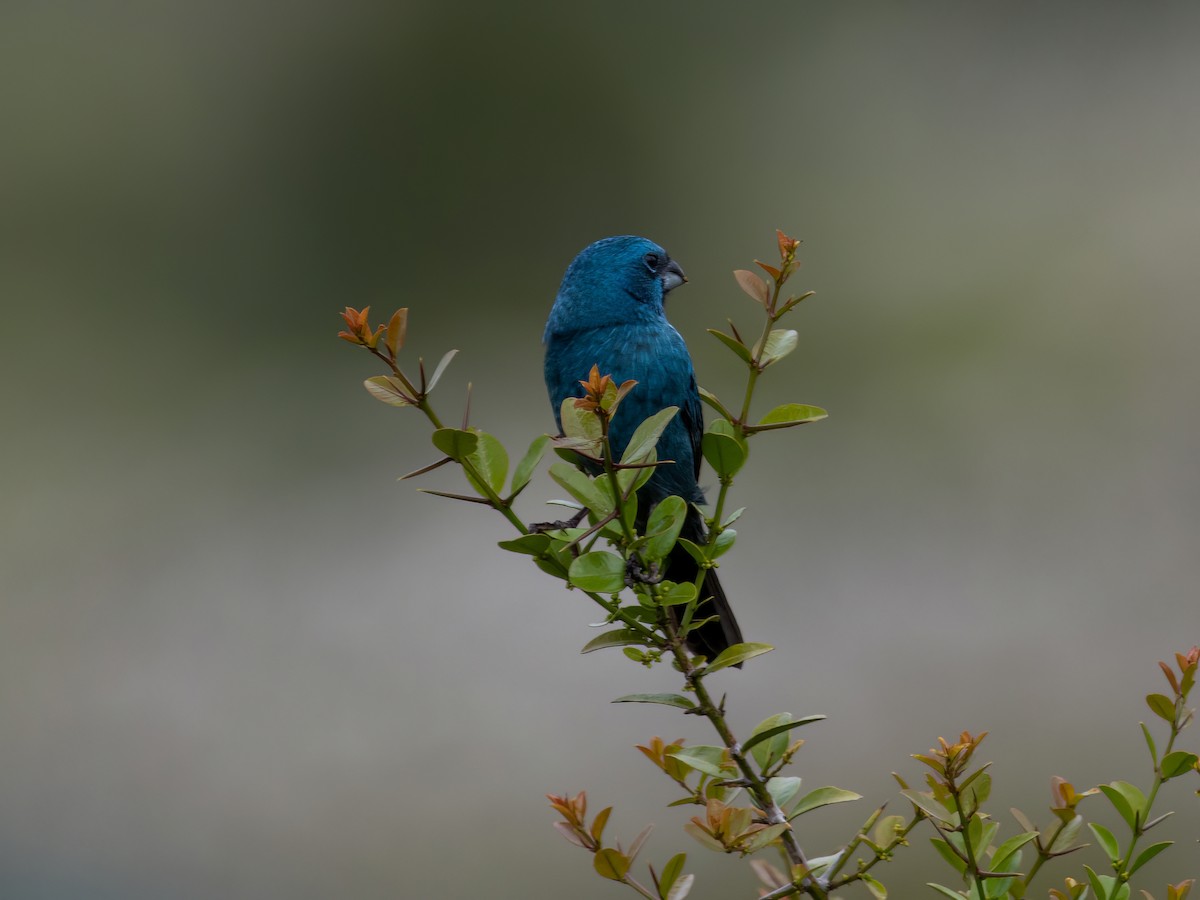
[(615, 280)]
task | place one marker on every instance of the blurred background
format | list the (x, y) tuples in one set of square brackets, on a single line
[(238, 659)]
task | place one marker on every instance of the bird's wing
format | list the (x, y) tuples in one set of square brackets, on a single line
[(691, 413)]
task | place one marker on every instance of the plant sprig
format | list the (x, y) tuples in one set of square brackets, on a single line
[(601, 553)]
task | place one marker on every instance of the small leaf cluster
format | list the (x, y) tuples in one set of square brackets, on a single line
[(725, 826), (747, 803), (773, 344), (615, 862), (395, 389), (966, 834), (991, 870), (1134, 806)]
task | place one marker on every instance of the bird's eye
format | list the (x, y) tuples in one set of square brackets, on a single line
[(651, 260)]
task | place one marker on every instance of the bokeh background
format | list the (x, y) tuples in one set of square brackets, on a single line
[(237, 659)]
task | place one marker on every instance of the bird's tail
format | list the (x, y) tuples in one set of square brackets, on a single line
[(714, 636)]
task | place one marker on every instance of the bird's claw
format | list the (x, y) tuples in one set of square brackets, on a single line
[(559, 525), (635, 574), (540, 527)]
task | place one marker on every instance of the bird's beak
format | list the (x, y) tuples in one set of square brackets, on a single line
[(673, 277)]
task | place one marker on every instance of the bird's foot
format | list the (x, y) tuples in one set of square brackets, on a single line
[(558, 525), (635, 574)]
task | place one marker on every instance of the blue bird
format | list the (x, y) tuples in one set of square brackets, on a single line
[(610, 312)]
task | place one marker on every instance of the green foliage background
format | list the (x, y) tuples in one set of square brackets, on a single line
[(236, 659)]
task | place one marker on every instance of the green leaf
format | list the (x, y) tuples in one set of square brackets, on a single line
[(727, 428), (603, 487), (724, 448), (389, 389), (736, 654), (670, 872), (817, 864), (440, 370), (1067, 835), (780, 342), (578, 423), (622, 637), (1150, 744), (1108, 841), (724, 542), (1176, 763), (1005, 851), (997, 888), (490, 460), (769, 740), (887, 830), (928, 805), (531, 544), (641, 613), (711, 399), (980, 834), (783, 789), (792, 301), (976, 789), (612, 864), (945, 891), (573, 451), (662, 530), (774, 729), (678, 594), (695, 551), (764, 836), (582, 488), (1162, 706), (1127, 800), (791, 414), (946, 852), (524, 469), (456, 443), (1148, 854), (645, 436), (1103, 886), (878, 891), (631, 480), (676, 700), (561, 537), (598, 571), (733, 344), (824, 796), (701, 758), (550, 568)]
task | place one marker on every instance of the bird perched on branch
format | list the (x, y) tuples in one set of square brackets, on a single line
[(609, 312)]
